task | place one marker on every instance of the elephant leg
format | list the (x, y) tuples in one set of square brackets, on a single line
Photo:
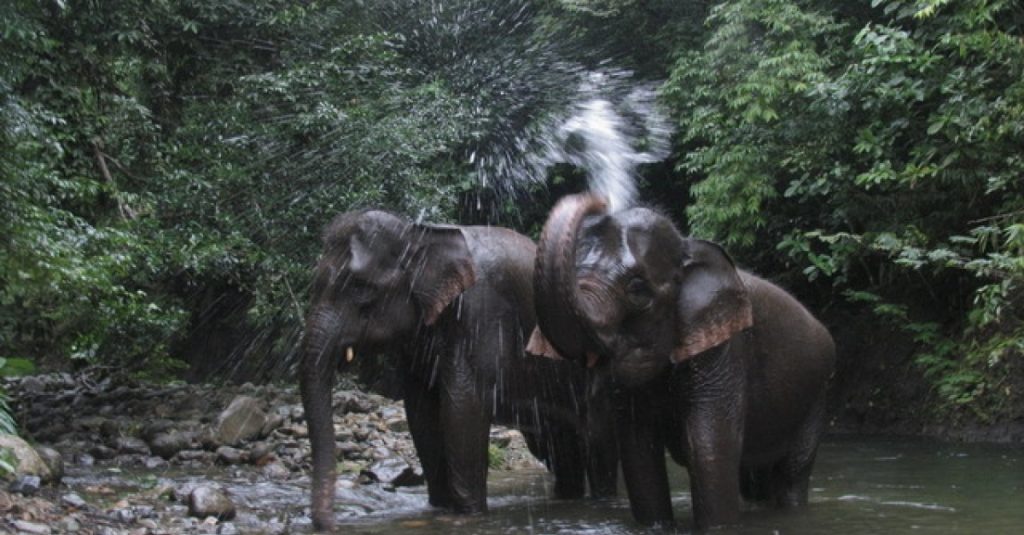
[(567, 461), (465, 425), (423, 411), (791, 477), (715, 448), (755, 483), (642, 452), (601, 448)]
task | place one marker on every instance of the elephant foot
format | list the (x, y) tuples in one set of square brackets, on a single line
[(323, 521), (572, 490)]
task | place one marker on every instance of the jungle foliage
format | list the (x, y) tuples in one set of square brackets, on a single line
[(157, 154)]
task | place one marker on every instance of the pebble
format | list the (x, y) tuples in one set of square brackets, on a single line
[(31, 527), (73, 500), (210, 502), (180, 437), (26, 485)]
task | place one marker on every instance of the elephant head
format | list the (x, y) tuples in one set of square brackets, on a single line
[(378, 280), (628, 290)]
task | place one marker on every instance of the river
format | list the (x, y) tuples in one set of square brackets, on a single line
[(860, 485)]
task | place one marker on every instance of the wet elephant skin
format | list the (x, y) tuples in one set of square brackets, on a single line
[(454, 304), (724, 370)]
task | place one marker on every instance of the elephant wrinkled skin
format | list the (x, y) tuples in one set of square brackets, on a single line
[(723, 369), (455, 304)]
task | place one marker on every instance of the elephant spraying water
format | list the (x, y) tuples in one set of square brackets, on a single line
[(456, 303), (723, 369)]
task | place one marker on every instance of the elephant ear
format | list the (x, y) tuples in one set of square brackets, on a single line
[(713, 302), (443, 269)]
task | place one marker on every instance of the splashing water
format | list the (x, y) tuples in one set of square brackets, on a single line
[(600, 141), (607, 133)]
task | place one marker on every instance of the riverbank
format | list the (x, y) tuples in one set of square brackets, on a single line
[(146, 459)]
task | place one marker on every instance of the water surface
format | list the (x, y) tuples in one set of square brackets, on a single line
[(860, 486)]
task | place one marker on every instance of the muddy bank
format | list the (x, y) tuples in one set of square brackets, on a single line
[(205, 459)]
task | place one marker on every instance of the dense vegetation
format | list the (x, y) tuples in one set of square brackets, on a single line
[(166, 165)]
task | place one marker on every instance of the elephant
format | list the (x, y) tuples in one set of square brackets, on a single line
[(724, 369), (454, 305)]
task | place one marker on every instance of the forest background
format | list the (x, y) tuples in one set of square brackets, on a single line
[(166, 167)]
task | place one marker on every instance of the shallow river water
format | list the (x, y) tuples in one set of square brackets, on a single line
[(860, 485)]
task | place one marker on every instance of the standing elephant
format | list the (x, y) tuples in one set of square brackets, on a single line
[(721, 368), (456, 305)]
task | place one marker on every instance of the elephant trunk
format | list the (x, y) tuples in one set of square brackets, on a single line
[(564, 315), (316, 384)]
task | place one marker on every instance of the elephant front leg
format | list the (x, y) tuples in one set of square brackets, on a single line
[(642, 453), (423, 411), (715, 447), (602, 450), (465, 425)]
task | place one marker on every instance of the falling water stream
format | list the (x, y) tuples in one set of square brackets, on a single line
[(606, 133), (860, 486)]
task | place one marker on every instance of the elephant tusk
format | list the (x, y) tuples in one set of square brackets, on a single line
[(349, 354)]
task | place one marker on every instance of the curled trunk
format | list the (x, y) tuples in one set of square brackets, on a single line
[(561, 313)]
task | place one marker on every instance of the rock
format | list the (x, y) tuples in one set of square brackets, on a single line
[(397, 425), (168, 444), (131, 445), (261, 453), (68, 525), (273, 422), (124, 516), (110, 429), (276, 470), (353, 403), (501, 437), (101, 452), (348, 450), (150, 430), (394, 471), (241, 421), (54, 461), (26, 485), (206, 501), (84, 459), (229, 455), (90, 423), (31, 527), (295, 430), (152, 463), (33, 384), (26, 459), (73, 500), (196, 455)]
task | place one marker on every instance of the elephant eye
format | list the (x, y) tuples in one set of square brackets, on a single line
[(360, 293), (639, 293)]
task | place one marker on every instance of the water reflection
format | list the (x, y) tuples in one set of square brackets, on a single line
[(860, 486)]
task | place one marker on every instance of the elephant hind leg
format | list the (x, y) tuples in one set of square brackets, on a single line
[(567, 463), (791, 476), (755, 484)]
